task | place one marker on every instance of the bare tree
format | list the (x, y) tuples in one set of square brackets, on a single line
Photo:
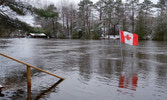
[(85, 11), (68, 16)]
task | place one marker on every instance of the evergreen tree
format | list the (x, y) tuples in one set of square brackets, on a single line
[(125, 19), (118, 16), (8, 20), (108, 11), (147, 6), (160, 28), (84, 16), (161, 22), (17, 7), (133, 6), (141, 28), (48, 17)]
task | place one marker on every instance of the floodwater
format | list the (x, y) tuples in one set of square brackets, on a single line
[(93, 70)]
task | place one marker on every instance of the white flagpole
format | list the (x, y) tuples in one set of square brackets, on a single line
[(121, 47)]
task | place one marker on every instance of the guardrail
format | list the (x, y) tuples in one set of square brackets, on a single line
[(29, 73)]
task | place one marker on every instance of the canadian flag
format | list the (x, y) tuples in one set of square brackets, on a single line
[(129, 38)]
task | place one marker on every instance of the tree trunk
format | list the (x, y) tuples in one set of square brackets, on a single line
[(63, 23), (133, 21), (53, 25)]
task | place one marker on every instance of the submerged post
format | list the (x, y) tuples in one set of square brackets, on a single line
[(28, 83)]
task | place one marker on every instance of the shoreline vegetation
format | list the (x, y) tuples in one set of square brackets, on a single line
[(86, 20)]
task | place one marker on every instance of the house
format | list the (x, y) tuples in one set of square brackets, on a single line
[(37, 35)]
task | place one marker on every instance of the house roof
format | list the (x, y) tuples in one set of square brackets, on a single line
[(37, 34)]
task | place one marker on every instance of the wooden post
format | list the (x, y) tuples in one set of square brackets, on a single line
[(29, 83)]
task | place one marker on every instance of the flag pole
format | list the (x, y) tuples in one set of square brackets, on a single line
[(120, 45)]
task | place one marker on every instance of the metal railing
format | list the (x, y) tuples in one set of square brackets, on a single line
[(29, 74)]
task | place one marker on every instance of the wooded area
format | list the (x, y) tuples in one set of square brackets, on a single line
[(88, 20)]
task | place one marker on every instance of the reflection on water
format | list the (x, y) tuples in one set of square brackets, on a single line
[(93, 70), (128, 82), (48, 90)]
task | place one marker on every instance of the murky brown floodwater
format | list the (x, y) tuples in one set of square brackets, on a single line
[(93, 69)]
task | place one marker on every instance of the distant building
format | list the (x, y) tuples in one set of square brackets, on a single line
[(37, 35)]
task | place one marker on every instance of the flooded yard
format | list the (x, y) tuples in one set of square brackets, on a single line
[(93, 69)]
